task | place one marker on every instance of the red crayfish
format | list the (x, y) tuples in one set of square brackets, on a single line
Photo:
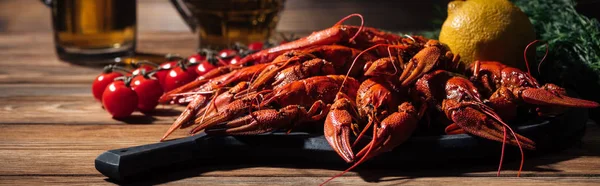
[(356, 80)]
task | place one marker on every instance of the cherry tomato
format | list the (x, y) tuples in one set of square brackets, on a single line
[(102, 81), (234, 60), (256, 46), (148, 91), (119, 100), (163, 71), (204, 67), (168, 64), (138, 70), (193, 62), (196, 58), (229, 56), (226, 53), (178, 77)]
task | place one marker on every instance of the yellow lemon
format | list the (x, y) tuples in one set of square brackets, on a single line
[(487, 30)]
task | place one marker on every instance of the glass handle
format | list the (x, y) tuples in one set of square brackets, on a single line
[(184, 13)]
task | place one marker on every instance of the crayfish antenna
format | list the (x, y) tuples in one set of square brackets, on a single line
[(502, 152), (362, 24), (541, 61), (397, 57), (354, 62), (371, 121), (497, 118)]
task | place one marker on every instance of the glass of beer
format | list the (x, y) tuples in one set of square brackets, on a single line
[(93, 31), (221, 23)]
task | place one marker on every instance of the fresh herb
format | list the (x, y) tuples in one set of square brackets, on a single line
[(574, 44), (573, 38)]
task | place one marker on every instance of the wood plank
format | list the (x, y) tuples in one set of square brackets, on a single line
[(67, 104), (70, 150), (74, 109), (390, 180)]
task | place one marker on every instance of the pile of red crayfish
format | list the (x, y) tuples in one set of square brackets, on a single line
[(356, 80)]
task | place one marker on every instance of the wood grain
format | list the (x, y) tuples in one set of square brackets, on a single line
[(51, 129), (70, 150), (67, 104), (292, 181)]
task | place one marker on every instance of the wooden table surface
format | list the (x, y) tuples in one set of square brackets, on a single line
[(51, 129)]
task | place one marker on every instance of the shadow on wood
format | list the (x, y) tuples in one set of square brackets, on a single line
[(431, 156), (368, 172)]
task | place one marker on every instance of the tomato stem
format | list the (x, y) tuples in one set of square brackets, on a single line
[(172, 57), (150, 74), (115, 68), (126, 80), (183, 64)]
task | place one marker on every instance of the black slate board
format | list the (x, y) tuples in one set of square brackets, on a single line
[(550, 134)]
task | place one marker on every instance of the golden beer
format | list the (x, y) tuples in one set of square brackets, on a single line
[(91, 29), (224, 22)]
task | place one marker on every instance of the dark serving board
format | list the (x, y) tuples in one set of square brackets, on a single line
[(550, 134)]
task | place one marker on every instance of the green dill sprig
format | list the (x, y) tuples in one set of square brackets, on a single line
[(574, 43)]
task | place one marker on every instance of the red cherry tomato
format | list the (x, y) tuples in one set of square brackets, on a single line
[(138, 70), (177, 77), (204, 67), (119, 100), (191, 68), (148, 91), (193, 62), (101, 82), (256, 46), (234, 60), (163, 71), (226, 53), (168, 65), (196, 58)]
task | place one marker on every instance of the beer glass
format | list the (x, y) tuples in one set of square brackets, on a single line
[(221, 23), (93, 31)]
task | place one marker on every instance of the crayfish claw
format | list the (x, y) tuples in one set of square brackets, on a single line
[(454, 129), (337, 132), (233, 110), (185, 115), (540, 96), (338, 124), (393, 131), (420, 64), (483, 123), (184, 120), (261, 121)]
